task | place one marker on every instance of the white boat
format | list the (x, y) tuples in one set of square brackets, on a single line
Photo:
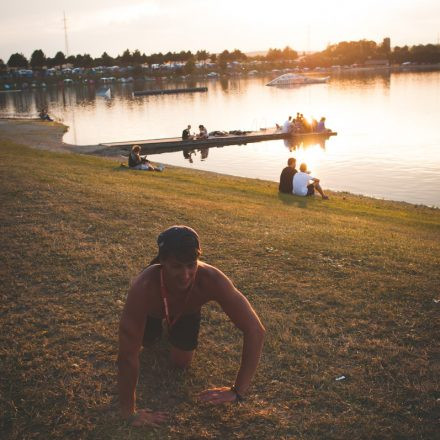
[(295, 79)]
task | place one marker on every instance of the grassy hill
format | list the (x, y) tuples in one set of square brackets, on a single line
[(345, 287)]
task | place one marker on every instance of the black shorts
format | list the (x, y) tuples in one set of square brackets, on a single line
[(310, 189), (184, 334)]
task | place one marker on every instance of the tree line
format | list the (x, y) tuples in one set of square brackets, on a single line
[(358, 52), (343, 53), (39, 60)]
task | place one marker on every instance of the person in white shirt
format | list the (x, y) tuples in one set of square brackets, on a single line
[(287, 126), (305, 185)]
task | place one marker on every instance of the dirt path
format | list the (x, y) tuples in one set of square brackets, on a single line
[(49, 136)]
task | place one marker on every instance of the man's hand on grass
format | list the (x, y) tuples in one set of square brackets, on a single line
[(217, 396)]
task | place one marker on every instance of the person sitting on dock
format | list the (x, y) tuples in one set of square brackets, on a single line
[(287, 126), (286, 177), (203, 132), (186, 134), (138, 162), (305, 185), (321, 126)]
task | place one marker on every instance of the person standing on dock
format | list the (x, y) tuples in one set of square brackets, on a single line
[(174, 287), (305, 185), (186, 134), (286, 177)]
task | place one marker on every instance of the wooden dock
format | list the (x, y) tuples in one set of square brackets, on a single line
[(154, 146)]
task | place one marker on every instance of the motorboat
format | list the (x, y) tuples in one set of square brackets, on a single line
[(296, 79)]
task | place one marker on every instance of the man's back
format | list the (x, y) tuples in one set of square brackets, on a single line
[(286, 180), (300, 182)]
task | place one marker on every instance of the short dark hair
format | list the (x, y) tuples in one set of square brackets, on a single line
[(291, 160)]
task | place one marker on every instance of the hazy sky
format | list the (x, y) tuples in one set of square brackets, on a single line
[(95, 26)]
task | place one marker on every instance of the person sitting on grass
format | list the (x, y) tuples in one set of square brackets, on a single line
[(44, 116), (286, 177), (305, 185), (138, 162), (174, 287)]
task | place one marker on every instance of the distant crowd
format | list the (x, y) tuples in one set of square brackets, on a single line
[(301, 125)]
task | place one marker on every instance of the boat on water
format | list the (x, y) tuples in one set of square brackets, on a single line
[(289, 79)]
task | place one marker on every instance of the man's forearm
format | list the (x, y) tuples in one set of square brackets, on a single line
[(252, 347), (128, 370)]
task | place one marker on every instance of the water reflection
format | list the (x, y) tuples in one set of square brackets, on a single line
[(189, 153), (294, 144)]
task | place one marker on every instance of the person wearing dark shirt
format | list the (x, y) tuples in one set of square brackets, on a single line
[(286, 177), (186, 134)]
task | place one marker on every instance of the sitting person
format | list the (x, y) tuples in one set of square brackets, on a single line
[(286, 177), (44, 116), (203, 132), (287, 126), (138, 162), (305, 185), (321, 126), (186, 134)]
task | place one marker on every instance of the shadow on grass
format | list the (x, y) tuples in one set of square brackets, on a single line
[(290, 199), (161, 385)]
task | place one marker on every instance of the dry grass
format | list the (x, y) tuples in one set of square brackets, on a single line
[(344, 287)]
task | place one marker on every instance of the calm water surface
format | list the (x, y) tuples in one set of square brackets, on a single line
[(388, 143)]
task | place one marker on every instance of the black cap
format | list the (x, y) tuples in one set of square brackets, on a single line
[(177, 238)]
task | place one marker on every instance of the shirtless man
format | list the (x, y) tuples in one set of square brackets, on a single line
[(174, 287)]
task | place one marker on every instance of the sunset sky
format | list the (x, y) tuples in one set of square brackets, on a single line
[(173, 25)]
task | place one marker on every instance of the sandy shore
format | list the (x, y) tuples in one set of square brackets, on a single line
[(49, 136)]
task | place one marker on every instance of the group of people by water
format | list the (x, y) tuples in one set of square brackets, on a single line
[(187, 136), (300, 183), (301, 125)]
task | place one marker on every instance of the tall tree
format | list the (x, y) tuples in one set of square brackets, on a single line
[(223, 59), (107, 60), (238, 55), (386, 46), (126, 58), (289, 54), (59, 59), (136, 58), (38, 59), (190, 66), (17, 60), (202, 55)]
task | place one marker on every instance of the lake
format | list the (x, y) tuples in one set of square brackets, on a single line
[(388, 142)]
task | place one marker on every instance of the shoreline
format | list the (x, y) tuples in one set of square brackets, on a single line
[(48, 136)]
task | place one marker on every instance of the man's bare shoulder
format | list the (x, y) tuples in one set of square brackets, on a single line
[(213, 280), (146, 282), (207, 272)]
